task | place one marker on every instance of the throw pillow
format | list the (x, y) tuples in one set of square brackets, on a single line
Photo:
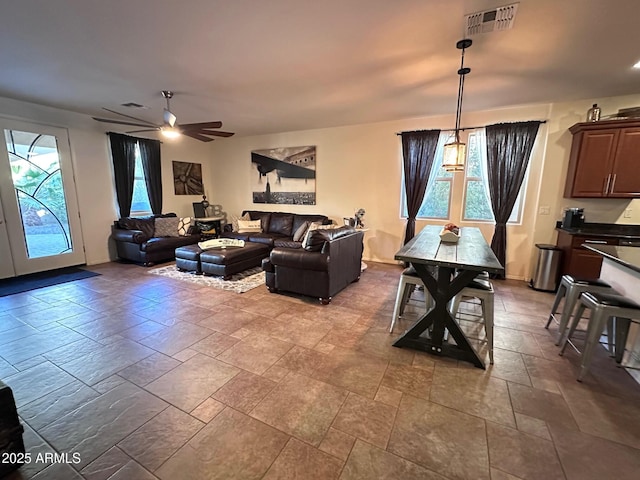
[(166, 227), (249, 226), (316, 240), (235, 218), (312, 226), (299, 234), (183, 226)]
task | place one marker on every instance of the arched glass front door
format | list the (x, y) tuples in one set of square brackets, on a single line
[(38, 199)]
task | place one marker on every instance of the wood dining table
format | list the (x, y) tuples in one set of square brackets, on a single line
[(456, 265)]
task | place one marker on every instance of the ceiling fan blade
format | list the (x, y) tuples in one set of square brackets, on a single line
[(169, 118), (197, 136), (145, 130), (120, 122), (129, 116), (197, 126), (216, 133)]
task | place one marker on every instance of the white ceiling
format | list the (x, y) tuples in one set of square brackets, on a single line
[(265, 66)]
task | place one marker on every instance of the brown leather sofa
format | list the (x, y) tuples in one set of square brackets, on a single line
[(135, 241), (330, 262), (277, 228)]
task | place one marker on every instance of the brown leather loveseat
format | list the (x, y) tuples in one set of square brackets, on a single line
[(329, 262), (136, 240)]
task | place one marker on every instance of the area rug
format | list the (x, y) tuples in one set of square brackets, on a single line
[(25, 283), (239, 283)]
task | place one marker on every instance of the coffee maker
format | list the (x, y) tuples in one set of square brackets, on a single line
[(573, 218)]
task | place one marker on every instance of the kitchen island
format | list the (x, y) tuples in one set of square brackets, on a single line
[(621, 270)]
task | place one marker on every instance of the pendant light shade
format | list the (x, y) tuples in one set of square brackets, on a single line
[(453, 156), (454, 153)]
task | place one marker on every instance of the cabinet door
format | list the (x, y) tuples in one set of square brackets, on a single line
[(584, 263), (594, 162), (625, 181)]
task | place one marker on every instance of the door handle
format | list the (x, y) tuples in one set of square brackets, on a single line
[(596, 241), (613, 184), (606, 186)]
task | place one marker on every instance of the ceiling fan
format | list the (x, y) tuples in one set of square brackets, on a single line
[(200, 131)]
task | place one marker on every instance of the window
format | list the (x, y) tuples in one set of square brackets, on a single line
[(439, 187), (140, 203), (477, 205), (468, 201)]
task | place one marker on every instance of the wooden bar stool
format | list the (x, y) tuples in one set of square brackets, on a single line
[(408, 280), (482, 290), (604, 308), (570, 288)]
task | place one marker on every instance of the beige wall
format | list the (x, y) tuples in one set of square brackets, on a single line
[(360, 166)]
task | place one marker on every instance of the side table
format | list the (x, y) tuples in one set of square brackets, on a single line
[(210, 227)]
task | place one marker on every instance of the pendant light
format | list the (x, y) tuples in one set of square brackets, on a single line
[(454, 152)]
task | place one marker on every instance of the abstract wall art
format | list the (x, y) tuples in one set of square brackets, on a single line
[(187, 178)]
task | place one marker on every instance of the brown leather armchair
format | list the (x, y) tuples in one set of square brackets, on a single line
[(330, 262)]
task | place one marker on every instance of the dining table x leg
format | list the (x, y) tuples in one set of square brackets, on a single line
[(442, 287)]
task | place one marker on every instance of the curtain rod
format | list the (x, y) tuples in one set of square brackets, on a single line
[(470, 128), (142, 138)]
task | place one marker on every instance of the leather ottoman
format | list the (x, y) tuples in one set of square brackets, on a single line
[(188, 258), (230, 260)]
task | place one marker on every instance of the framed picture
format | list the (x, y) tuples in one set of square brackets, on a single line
[(187, 178), (284, 175)]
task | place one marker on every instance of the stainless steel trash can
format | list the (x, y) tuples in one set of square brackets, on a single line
[(547, 271)]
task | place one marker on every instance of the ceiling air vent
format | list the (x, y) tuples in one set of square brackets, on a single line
[(494, 20)]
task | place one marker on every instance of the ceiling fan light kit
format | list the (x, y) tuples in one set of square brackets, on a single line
[(454, 153), (170, 132), (202, 131)]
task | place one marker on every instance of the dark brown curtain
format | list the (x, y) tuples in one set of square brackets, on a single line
[(509, 147), (418, 152), (151, 164), (123, 156)]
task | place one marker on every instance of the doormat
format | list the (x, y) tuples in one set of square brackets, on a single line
[(239, 283), (25, 283)]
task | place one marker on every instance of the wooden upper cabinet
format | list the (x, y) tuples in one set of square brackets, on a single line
[(626, 165), (604, 161)]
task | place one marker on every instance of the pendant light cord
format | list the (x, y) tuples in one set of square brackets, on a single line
[(462, 72)]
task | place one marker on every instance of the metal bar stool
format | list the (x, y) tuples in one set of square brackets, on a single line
[(571, 287), (408, 280), (604, 307), (482, 290)]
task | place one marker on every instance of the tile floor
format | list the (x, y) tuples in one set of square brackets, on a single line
[(146, 377)]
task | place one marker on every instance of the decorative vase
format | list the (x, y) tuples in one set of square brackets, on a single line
[(593, 114)]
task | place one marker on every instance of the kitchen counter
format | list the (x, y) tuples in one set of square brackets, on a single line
[(581, 262), (605, 230), (626, 256)]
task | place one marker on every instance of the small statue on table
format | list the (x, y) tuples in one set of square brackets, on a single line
[(358, 218)]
